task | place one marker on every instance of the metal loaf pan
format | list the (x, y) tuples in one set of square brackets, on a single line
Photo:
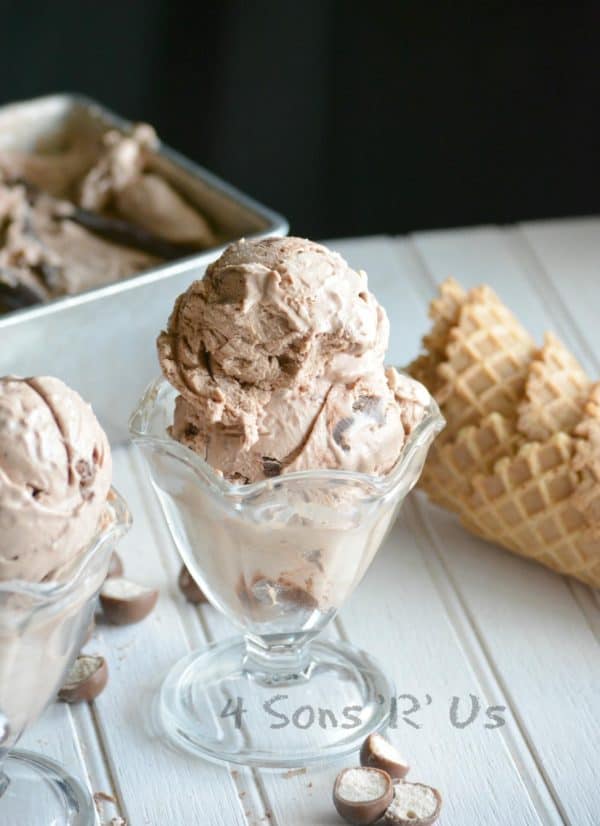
[(102, 342)]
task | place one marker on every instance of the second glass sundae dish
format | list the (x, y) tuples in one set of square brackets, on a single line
[(59, 522), (280, 448)]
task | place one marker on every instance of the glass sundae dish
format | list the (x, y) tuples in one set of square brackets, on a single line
[(279, 480), (42, 628), (59, 522)]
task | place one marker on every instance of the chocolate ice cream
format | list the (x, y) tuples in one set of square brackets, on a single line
[(48, 254), (55, 475), (277, 355), (122, 182), (56, 173), (89, 215)]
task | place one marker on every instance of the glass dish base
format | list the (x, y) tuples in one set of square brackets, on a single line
[(225, 705), (38, 792)]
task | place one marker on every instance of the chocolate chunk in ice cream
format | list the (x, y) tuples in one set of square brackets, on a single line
[(282, 593)]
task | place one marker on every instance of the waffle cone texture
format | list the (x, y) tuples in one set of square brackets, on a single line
[(519, 460)]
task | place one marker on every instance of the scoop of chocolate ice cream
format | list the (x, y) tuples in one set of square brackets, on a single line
[(271, 314), (278, 358), (55, 474), (361, 426)]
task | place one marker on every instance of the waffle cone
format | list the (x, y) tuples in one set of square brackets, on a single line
[(556, 390), (586, 460), (487, 359), (444, 312), (452, 465), (519, 461), (476, 357), (529, 504)]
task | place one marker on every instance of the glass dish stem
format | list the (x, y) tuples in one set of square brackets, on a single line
[(278, 663)]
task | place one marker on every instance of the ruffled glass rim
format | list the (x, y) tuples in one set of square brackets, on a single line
[(119, 522), (140, 428)]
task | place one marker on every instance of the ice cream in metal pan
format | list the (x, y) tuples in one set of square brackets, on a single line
[(116, 218), (83, 329)]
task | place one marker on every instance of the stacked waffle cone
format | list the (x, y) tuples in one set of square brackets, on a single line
[(519, 460)]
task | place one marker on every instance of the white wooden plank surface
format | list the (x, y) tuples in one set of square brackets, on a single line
[(447, 614)]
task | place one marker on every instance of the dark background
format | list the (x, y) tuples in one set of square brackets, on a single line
[(350, 118)]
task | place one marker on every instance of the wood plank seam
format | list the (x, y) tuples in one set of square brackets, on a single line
[(93, 750), (426, 293), (339, 628), (81, 745), (114, 789), (587, 600), (481, 661), (195, 628), (589, 607)]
